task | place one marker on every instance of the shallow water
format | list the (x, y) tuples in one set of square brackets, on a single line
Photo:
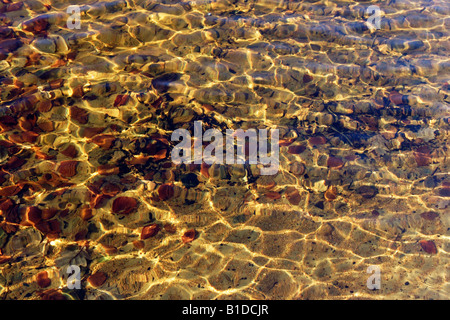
[(87, 178)]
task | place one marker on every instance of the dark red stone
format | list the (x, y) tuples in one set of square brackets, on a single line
[(428, 246), (296, 149), (189, 236), (124, 205), (150, 231), (429, 215), (166, 191)]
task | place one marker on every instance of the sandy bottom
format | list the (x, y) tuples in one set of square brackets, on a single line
[(87, 179)]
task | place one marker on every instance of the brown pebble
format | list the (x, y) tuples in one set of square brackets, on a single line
[(165, 191), (70, 151), (104, 141), (367, 192), (68, 168), (46, 125), (33, 215), (189, 236), (110, 189), (79, 114), (42, 279), (44, 106), (396, 98), (335, 163), (10, 190), (331, 193), (317, 141), (37, 24), (150, 231), (428, 246), (429, 215), (292, 195), (124, 205), (307, 78), (78, 92), (97, 279), (58, 83), (121, 99), (5, 205), (89, 132), (273, 195), (23, 137), (422, 160), (296, 149), (51, 294), (109, 250), (86, 214)]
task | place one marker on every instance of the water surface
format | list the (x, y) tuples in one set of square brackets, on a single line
[(87, 178)]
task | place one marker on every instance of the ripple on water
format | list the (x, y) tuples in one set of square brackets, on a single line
[(86, 175)]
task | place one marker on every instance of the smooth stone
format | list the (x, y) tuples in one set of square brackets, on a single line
[(46, 45)]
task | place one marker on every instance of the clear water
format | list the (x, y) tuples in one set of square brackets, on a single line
[(87, 178)]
